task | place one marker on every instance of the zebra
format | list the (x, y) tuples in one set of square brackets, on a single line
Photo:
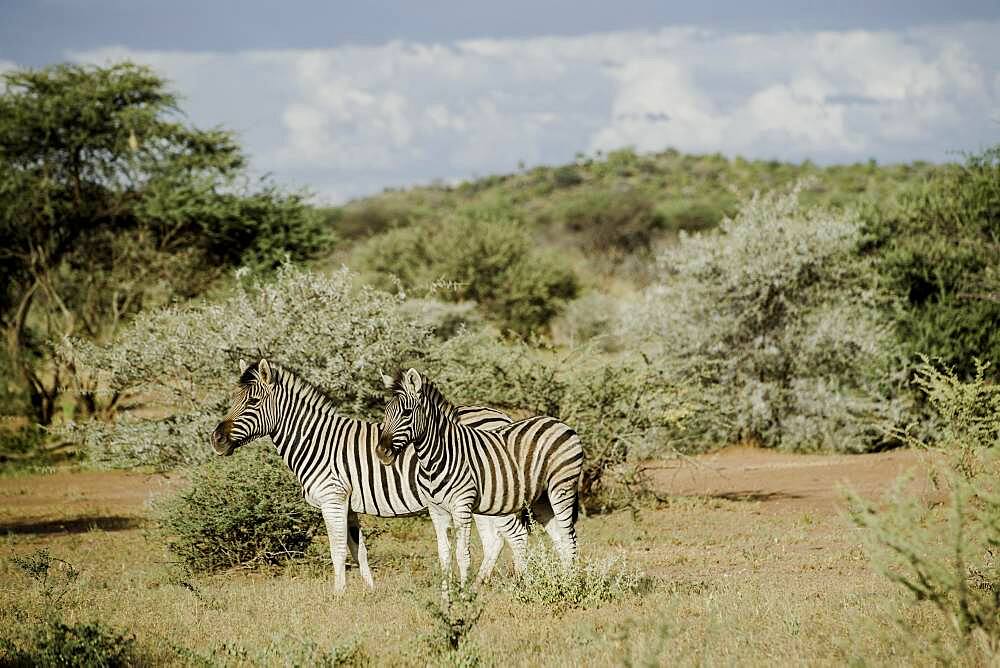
[(534, 463), (333, 458)]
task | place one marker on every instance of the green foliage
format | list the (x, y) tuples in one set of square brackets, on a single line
[(184, 358), (954, 567), (547, 582), (612, 221), (694, 215), (968, 412), (778, 324), (84, 645), (53, 642), (52, 575), (454, 618), (109, 203), (624, 410), (367, 218), (939, 250), (591, 319), (23, 443), (287, 651), (479, 255), (243, 511), (566, 176)]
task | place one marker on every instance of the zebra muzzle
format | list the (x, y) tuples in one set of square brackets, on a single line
[(384, 451), (221, 443)]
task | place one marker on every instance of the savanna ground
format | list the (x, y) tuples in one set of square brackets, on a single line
[(750, 556)]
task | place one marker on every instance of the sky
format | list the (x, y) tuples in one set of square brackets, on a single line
[(346, 99)]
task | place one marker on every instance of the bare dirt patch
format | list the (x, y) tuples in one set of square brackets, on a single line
[(76, 501), (786, 482), (780, 482)]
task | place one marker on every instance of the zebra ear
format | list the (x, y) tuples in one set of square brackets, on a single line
[(243, 365), (264, 372), (387, 381), (412, 382)]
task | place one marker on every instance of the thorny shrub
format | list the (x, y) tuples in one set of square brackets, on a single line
[(240, 511), (948, 555), (778, 324)]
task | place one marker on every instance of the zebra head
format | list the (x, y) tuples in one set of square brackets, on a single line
[(252, 411), (405, 418)]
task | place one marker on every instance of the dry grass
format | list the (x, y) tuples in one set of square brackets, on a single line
[(736, 582)]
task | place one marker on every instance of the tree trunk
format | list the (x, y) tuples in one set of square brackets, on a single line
[(43, 399)]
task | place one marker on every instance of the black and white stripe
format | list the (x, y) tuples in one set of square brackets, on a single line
[(334, 459), (534, 463)]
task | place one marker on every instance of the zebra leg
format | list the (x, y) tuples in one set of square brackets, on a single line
[(563, 500), (441, 519), (335, 517), (490, 534), (356, 543), (515, 533), (463, 534), (541, 512)]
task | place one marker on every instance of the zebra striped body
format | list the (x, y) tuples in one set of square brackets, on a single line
[(534, 463), (334, 459)]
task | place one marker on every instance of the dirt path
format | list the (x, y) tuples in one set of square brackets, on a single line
[(784, 483)]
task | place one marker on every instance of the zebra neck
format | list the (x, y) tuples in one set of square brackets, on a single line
[(302, 415), (433, 449)]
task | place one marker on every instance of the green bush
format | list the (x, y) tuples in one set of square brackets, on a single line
[(366, 218), (546, 582), (54, 643), (611, 221), (695, 215), (241, 511), (939, 250), (479, 255), (779, 325), (947, 555), (593, 317), (566, 176)]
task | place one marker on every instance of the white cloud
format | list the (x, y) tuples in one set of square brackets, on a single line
[(354, 119)]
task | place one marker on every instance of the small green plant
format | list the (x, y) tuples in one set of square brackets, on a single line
[(455, 617), (951, 562), (547, 582), (243, 511), (53, 576), (968, 412), (50, 641)]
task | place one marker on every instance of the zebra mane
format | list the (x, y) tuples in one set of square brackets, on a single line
[(431, 392), (249, 374), (291, 377)]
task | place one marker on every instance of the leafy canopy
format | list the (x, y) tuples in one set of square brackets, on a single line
[(111, 203)]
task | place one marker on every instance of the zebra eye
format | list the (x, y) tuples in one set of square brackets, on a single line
[(407, 412), (253, 401)]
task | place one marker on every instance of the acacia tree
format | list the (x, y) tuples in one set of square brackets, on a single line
[(109, 201)]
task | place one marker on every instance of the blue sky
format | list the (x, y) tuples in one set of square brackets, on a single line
[(348, 98)]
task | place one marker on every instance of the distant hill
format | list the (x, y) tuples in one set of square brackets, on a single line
[(622, 199)]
